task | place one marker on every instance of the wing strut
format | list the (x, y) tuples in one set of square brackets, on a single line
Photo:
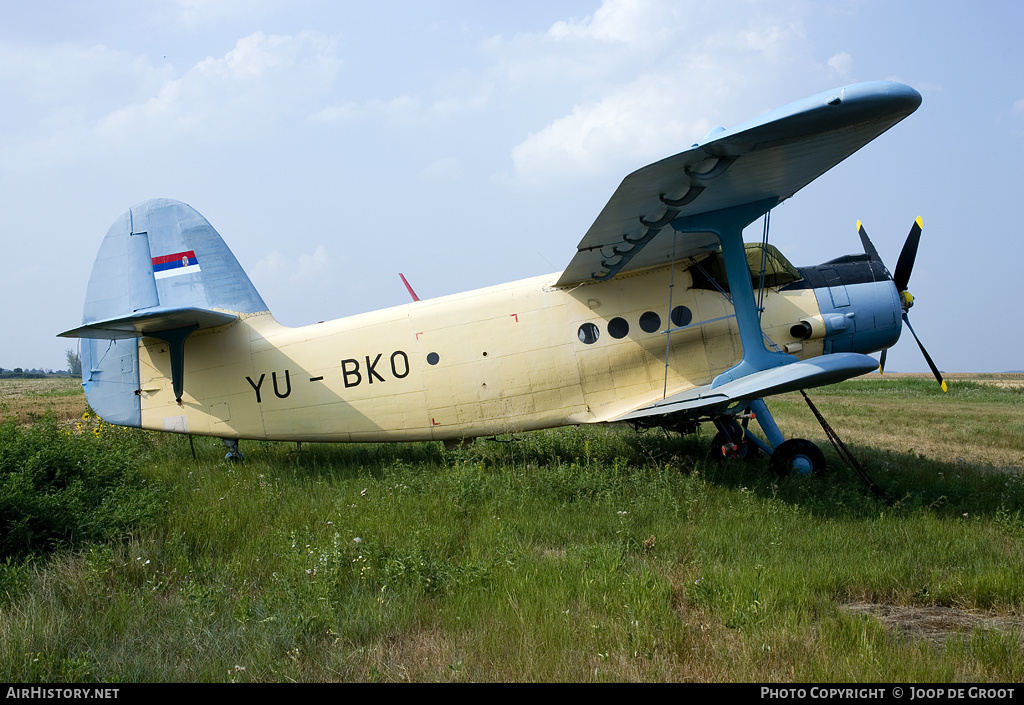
[(668, 331), (764, 256), (728, 225)]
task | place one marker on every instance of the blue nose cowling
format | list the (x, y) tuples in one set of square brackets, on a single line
[(863, 318)]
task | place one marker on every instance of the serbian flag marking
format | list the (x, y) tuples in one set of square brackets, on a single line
[(173, 265)]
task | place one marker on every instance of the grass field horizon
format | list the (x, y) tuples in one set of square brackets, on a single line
[(579, 554)]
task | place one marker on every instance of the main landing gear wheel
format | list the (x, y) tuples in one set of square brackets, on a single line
[(797, 455), (723, 448)]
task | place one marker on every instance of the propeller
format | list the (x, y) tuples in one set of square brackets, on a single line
[(901, 278)]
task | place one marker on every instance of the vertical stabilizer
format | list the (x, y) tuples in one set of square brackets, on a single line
[(162, 253), (162, 271)]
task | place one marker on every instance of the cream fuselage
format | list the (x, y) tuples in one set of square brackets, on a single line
[(495, 360)]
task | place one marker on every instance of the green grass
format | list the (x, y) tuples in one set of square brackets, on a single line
[(590, 554)]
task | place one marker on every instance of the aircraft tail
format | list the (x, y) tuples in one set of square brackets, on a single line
[(162, 271)]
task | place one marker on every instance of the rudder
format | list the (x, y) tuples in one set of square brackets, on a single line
[(161, 271)]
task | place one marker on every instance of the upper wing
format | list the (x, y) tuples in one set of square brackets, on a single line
[(772, 156)]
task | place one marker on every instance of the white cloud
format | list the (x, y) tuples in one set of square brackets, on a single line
[(399, 108), (624, 21), (54, 85), (336, 113), (314, 264), (664, 73), (454, 105), (306, 269), (55, 94), (263, 78), (637, 123), (841, 63), (403, 108)]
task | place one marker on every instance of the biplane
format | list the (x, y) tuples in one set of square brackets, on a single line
[(664, 317)]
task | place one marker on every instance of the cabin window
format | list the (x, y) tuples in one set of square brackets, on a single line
[(650, 322), (589, 333), (681, 316), (618, 328)]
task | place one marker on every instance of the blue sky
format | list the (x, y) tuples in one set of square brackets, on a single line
[(465, 144)]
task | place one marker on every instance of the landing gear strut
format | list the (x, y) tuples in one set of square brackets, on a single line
[(793, 455), (234, 455), (732, 441), (743, 449)]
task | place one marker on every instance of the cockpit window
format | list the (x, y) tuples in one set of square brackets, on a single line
[(778, 271)]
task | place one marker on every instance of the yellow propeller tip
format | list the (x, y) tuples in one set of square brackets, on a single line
[(859, 226), (920, 223), (944, 386)]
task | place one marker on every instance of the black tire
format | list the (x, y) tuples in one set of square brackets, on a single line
[(745, 449), (798, 455)]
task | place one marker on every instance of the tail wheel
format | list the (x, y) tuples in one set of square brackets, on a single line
[(797, 455), (234, 455)]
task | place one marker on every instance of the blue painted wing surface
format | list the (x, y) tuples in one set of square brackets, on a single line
[(770, 157), (817, 372)]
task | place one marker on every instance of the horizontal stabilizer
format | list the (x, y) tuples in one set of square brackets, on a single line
[(805, 374), (150, 322)]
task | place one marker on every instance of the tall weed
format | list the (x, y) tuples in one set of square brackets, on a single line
[(63, 486)]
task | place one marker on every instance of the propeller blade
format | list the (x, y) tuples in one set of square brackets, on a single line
[(927, 357), (869, 248), (881, 362), (905, 264)]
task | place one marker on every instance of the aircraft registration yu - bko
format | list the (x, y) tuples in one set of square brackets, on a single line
[(664, 317)]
